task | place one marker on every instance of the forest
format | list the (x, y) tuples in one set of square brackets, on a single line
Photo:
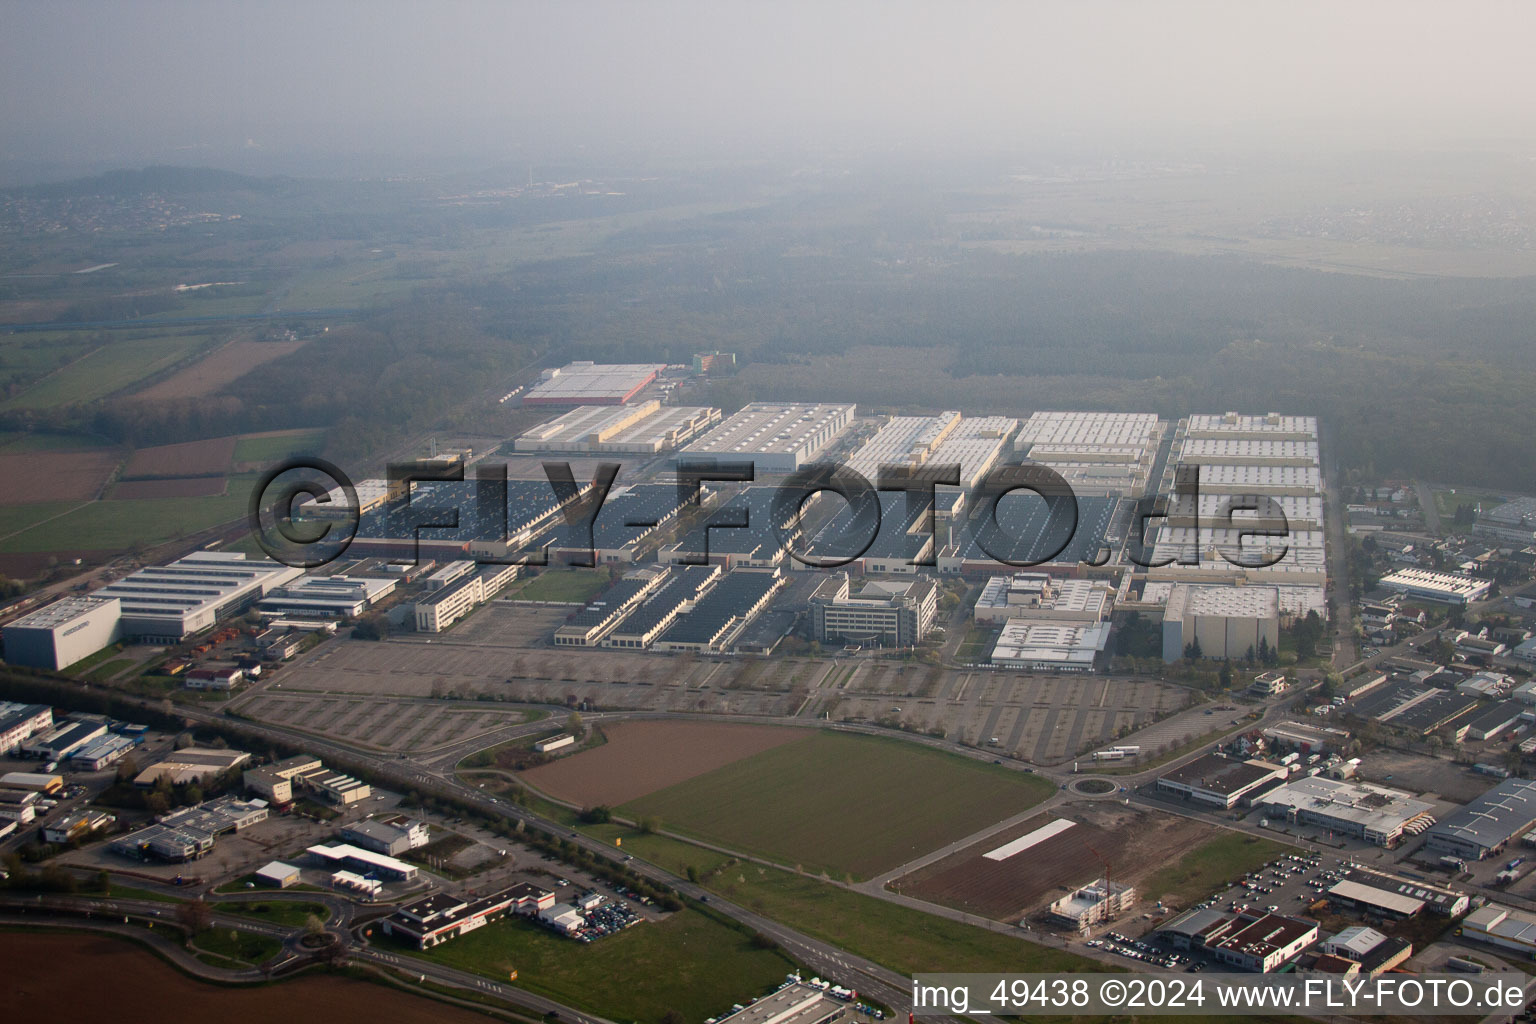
[(882, 296)]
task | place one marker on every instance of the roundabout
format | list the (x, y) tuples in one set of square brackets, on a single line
[(1094, 786)]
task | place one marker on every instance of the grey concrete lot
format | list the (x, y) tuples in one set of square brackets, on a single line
[(1045, 719)]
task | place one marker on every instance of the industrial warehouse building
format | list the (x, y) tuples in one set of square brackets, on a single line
[(327, 597), (190, 764), (1505, 927), (588, 627), (1097, 453), (1486, 824), (723, 613), (631, 516), (972, 444), (64, 632), (1039, 596), (1220, 781), (277, 874), (1023, 529), (1391, 895), (655, 613), (644, 428), (1369, 948), (157, 604), (1267, 427), (1373, 813), (883, 614), (1439, 587), (777, 437), (1222, 622), (1050, 646), (168, 603), (587, 383)]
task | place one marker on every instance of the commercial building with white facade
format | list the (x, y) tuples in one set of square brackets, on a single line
[(777, 437), (64, 632), (20, 722)]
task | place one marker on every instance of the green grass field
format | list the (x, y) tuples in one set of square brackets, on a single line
[(1208, 866), (576, 586), (905, 940), (689, 963), (110, 368), (843, 803), (293, 913), (118, 525), (237, 945), (16, 518), (273, 447), (1446, 502), (14, 442)]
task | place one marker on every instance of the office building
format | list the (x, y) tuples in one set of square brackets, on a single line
[(881, 614)]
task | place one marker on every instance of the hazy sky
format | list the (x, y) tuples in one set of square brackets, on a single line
[(112, 80)]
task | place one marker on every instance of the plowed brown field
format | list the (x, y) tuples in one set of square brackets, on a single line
[(642, 757)]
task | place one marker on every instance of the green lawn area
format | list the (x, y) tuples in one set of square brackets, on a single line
[(14, 442), (128, 892), (91, 661), (273, 447), (118, 525), (576, 586), (690, 963), (842, 803), (293, 913), (105, 672), (1447, 501), (15, 518), (237, 945), (905, 940), (1213, 863), (110, 368)]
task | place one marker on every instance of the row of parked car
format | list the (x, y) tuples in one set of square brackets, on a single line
[(1136, 949)]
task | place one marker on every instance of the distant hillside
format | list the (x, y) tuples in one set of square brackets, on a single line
[(157, 180)]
